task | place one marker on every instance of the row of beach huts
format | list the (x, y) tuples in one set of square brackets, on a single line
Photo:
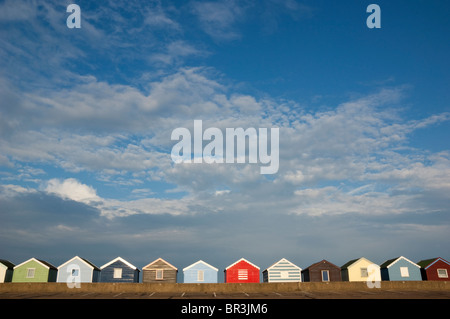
[(81, 270)]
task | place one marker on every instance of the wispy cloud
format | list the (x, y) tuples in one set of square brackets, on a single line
[(361, 141), (177, 52), (157, 17), (13, 11), (218, 18)]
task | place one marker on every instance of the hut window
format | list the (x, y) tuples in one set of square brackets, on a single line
[(442, 273), (404, 272), (30, 272), (159, 274), (117, 272), (364, 272), (75, 272), (325, 275), (242, 274), (200, 275), (284, 274)]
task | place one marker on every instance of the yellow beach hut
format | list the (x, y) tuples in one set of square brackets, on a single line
[(360, 269)]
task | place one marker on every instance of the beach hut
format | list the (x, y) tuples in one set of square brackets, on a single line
[(6, 270), (360, 269), (159, 271), (242, 271), (400, 269), (323, 270), (34, 270), (435, 269), (200, 272), (282, 271), (119, 270), (79, 270)]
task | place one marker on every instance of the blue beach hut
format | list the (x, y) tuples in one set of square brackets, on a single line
[(119, 270), (400, 269), (200, 272), (78, 269)]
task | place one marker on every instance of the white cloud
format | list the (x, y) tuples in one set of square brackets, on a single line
[(222, 192), (72, 189), (11, 190), (117, 130)]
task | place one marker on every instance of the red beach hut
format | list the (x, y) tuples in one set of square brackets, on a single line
[(242, 271), (435, 269)]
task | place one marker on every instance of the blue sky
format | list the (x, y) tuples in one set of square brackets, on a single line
[(86, 117)]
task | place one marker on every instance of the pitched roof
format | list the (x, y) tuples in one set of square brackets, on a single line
[(320, 262), (160, 259), (345, 266), (388, 263), (42, 262), (82, 259), (242, 259), (281, 260), (428, 262), (7, 263), (119, 259), (198, 262), (91, 264), (425, 262), (49, 265), (351, 262)]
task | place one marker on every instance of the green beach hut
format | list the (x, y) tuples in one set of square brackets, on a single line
[(34, 270)]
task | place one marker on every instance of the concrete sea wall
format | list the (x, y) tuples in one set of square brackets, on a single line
[(222, 287)]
